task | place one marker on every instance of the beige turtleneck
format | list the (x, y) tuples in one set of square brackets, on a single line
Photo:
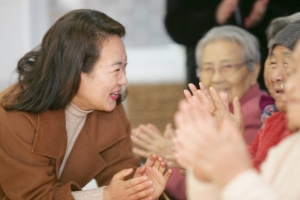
[(75, 119)]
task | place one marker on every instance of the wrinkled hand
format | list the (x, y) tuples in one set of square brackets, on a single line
[(218, 105), (147, 140), (155, 170), (221, 152), (135, 188), (258, 11), (225, 10)]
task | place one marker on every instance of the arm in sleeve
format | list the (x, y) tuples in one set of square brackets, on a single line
[(248, 186)]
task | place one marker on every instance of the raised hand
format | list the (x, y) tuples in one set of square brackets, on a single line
[(147, 140), (155, 170), (220, 152), (257, 13), (217, 104), (158, 176), (222, 111), (225, 10), (133, 189)]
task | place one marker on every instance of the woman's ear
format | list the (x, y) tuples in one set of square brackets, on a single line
[(255, 73)]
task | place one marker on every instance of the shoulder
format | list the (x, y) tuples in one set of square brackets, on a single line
[(18, 123), (17, 134)]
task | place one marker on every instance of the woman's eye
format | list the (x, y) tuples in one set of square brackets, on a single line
[(228, 66), (207, 69)]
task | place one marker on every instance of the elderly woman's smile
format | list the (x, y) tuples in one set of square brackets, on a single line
[(224, 69)]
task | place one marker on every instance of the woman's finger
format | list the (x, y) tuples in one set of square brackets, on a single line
[(237, 111), (216, 98), (142, 194), (193, 88), (122, 174), (162, 167), (152, 132), (187, 94), (141, 142), (205, 91), (150, 160), (141, 152), (206, 101), (224, 98)]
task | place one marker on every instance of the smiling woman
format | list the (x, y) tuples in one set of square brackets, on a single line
[(109, 73), (62, 124)]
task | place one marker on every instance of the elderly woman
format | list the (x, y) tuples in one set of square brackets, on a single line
[(223, 169), (62, 124), (228, 59)]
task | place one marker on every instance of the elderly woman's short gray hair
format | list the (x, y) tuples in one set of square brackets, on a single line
[(277, 25), (249, 43)]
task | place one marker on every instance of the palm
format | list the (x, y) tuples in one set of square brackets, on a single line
[(159, 181)]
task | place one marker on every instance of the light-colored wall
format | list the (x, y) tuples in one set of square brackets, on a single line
[(23, 23)]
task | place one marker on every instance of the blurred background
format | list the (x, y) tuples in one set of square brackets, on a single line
[(155, 70)]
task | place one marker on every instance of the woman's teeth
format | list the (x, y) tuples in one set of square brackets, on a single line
[(114, 93)]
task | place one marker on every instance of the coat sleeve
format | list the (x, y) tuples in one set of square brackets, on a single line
[(23, 174)]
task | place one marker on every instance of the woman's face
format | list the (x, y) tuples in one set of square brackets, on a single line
[(100, 89), (293, 91), (226, 55), (277, 67)]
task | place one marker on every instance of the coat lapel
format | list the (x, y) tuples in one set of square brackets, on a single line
[(100, 131), (51, 136)]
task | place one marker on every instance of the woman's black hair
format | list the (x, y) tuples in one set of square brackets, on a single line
[(49, 76)]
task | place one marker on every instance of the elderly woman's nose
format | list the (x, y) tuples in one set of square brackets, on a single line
[(217, 76), (279, 74)]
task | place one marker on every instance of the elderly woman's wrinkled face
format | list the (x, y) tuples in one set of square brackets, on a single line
[(277, 67), (223, 68), (293, 91)]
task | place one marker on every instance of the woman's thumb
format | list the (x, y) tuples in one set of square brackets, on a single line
[(122, 174)]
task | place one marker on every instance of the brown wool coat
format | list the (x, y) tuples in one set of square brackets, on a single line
[(32, 148)]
